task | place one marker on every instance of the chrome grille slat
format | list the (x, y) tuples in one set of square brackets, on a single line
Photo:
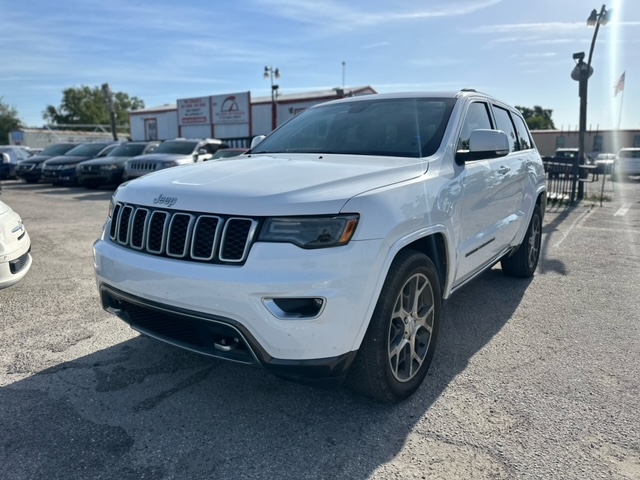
[(124, 224), (239, 228), (114, 221), (138, 228), (183, 235), (179, 234), (157, 232), (206, 234)]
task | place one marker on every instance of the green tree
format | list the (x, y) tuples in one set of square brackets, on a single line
[(88, 106), (537, 118), (9, 120)]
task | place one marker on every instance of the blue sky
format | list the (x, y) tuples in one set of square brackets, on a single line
[(517, 50)]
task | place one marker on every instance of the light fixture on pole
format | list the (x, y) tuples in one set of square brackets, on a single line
[(271, 73), (108, 94), (581, 73)]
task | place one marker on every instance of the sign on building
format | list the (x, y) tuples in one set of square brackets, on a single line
[(231, 115), (194, 111)]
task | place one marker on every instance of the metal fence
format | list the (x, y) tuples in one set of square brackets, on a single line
[(563, 185)]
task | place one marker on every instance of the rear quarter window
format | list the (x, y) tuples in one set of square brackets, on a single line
[(505, 123), (523, 133)]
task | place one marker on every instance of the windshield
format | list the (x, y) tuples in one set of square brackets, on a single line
[(407, 127), (128, 150), (55, 150), (177, 147), (86, 150), (629, 154)]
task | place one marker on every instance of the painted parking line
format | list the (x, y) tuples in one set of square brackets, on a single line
[(622, 211)]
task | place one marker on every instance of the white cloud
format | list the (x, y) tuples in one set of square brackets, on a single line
[(340, 15)]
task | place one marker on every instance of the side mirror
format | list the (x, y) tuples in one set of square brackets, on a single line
[(484, 144), (256, 140)]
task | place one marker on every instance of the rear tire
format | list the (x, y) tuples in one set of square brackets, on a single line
[(523, 262), (397, 349)]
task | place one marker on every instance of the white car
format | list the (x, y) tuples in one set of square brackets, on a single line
[(604, 162), (325, 253), (627, 163), (15, 244)]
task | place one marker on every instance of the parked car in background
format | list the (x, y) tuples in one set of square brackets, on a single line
[(30, 169), (109, 170), (604, 162), (62, 170), (172, 153), (228, 152), (15, 244), (10, 156), (627, 164), (326, 252)]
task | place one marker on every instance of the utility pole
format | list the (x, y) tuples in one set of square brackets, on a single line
[(581, 73), (270, 72), (112, 113)]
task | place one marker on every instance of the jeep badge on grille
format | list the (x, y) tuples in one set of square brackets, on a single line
[(162, 200)]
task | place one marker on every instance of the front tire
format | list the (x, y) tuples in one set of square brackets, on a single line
[(398, 347), (523, 262)]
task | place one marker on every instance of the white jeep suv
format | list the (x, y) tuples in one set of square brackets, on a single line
[(172, 153), (324, 253)]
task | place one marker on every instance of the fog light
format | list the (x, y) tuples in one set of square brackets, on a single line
[(295, 308)]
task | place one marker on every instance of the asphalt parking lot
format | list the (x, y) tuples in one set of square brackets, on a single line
[(533, 379)]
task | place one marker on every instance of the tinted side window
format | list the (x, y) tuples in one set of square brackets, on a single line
[(503, 120), (523, 133), (477, 118)]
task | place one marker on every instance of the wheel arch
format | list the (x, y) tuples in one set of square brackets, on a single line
[(433, 242)]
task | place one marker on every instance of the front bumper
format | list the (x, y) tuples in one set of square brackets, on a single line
[(218, 337), (7, 170), (15, 266), (30, 175), (100, 178), (238, 296), (67, 175)]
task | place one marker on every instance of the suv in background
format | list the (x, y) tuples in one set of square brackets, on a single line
[(326, 252), (10, 156), (627, 164), (62, 169), (109, 170), (172, 153), (30, 169)]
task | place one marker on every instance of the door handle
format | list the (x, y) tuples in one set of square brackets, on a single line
[(504, 170)]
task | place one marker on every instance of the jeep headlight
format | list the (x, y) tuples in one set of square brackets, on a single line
[(108, 167), (310, 232)]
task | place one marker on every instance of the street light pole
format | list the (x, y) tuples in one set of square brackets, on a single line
[(112, 114), (581, 73), (270, 72)]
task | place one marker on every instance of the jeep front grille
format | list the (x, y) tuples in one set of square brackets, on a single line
[(188, 236), (143, 166)]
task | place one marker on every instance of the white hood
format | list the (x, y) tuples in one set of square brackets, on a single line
[(263, 185)]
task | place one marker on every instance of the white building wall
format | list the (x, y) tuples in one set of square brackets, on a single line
[(166, 121), (195, 131), (260, 118)]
